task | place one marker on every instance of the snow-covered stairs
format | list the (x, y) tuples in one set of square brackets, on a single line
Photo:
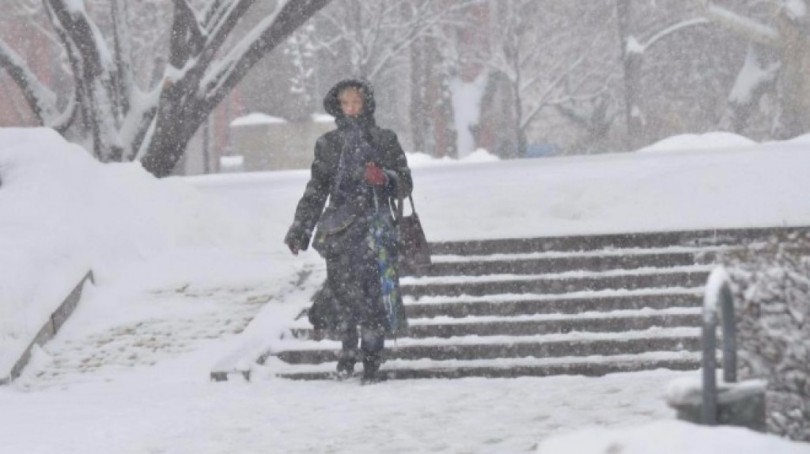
[(586, 305)]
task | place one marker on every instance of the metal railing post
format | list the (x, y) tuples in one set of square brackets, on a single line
[(718, 291)]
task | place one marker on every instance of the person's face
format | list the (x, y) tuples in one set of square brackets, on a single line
[(351, 102)]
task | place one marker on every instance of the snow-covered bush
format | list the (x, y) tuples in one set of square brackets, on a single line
[(771, 285)]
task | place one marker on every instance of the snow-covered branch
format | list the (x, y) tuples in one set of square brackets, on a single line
[(549, 91), (753, 30), (213, 12), (753, 75), (41, 100), (123, 77), (189, 92), (221, 28), (187, 36), (225, 74), (673, 29), (119, 118), (87, 38), (424, 20)]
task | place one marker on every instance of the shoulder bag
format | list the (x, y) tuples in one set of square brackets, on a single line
[(414, 251), (333, 224)]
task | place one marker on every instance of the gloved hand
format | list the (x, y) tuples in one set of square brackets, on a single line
[(374, 175), (296, 239)]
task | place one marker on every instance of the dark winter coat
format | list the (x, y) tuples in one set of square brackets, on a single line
[(386, 153), (352, 294)]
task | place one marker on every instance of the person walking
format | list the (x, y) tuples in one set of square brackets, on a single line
[(361, 169)]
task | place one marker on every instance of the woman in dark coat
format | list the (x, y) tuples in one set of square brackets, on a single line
[(360, 168)]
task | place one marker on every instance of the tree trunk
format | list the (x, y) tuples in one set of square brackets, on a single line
[(631, 64), (185, 103), (430, 111), (794, 91), (420, 110)]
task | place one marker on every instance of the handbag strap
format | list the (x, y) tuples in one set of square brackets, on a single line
[(340, 167), (401, 206), (339, 175)]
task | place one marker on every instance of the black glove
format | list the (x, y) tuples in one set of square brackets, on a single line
[(297, 239)]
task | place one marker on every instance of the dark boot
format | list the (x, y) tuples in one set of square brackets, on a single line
[(345, 368), (371, 346), (371, 367), (348, 354)]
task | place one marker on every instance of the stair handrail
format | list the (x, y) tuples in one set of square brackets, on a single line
[(718, 290), (49, 329)]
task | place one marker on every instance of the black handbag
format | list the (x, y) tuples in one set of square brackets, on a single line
[(414, 251), (333, 225), (324, 314)]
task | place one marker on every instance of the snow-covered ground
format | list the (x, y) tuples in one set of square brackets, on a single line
[(190, 270)]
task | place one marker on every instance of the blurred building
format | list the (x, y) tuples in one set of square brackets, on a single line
[(265, 142)]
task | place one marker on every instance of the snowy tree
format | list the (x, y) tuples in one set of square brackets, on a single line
[(121, 117), (378, 41), (431, 113), (756, 77), (301, 53), (542, 55), (784, 32), (375, 36), (634, 49)]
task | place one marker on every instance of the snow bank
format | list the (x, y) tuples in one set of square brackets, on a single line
[(707, 141), (689, 389), (322, 118), (426, 160), (669, 437), (256, 118), (480, 155), (758, 186), (799, 140), (63, 213)]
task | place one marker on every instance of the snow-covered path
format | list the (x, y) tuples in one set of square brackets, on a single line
[(180, 273), (159, 410), (133, 377), (170, 322)]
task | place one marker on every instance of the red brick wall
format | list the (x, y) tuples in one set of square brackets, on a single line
[(38, 52)]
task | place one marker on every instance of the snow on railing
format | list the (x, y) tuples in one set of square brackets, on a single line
[(48, 330), (718, 294)]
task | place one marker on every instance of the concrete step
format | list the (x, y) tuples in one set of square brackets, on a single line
[(525, 264), (585, 305), (486, 326), (593, 367), (420, 287), (489, 347), (559, 304), (623, 240)]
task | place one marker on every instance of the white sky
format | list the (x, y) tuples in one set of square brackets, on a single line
[(184, 263)]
